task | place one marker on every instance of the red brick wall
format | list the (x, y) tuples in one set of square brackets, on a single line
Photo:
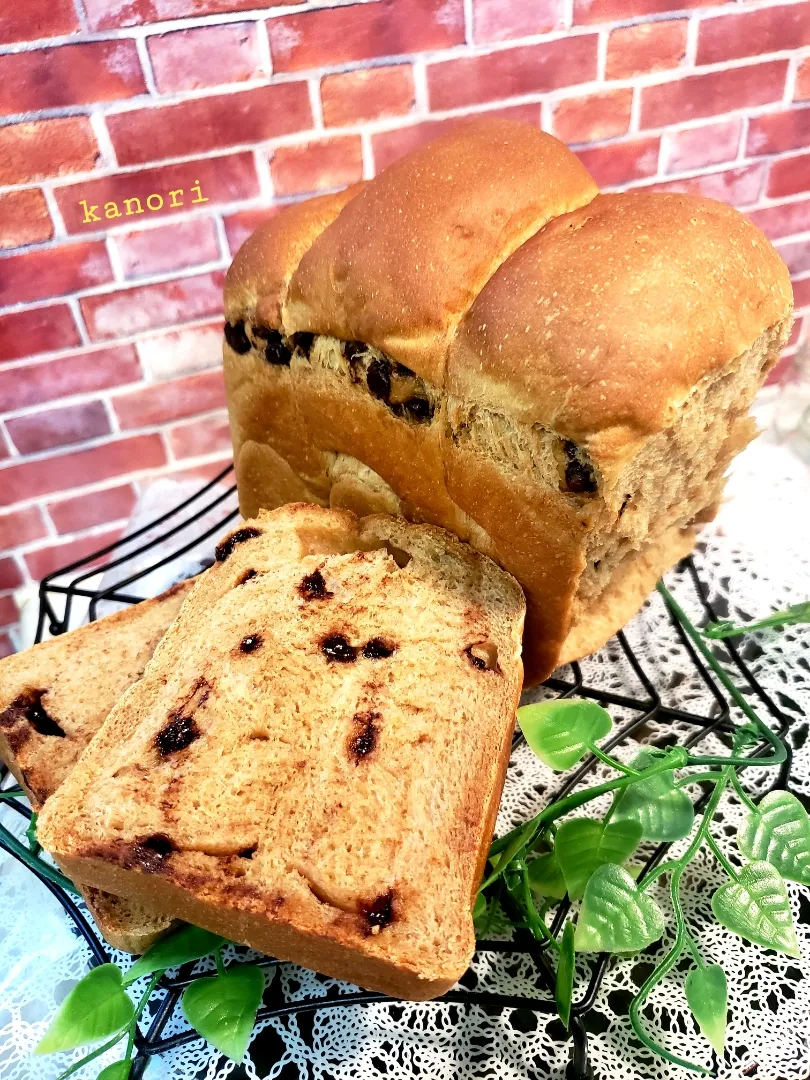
[(110, 330)]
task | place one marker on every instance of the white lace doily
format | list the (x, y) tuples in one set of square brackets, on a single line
[(755, 557)]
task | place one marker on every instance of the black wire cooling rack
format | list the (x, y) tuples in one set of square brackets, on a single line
[(128, 561)]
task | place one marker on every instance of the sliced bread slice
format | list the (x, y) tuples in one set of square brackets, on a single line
[(313, 760), (54, 698)]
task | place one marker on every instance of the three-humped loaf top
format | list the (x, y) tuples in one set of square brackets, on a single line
[(313, 759), (487, 263)]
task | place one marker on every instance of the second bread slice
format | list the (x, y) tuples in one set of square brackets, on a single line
[(312, 762)]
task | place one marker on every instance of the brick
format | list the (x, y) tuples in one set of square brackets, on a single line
[(79, 467), (168, 247), (593, 116), (526, 69), (637, 50), (500, 20), (77, 373), (24, 218), (317, 165), (390, 145), (10, 576), (239, 226), (785, 219), (8, 614), (69, 75), (205, 436), (170, 400), (48, 560), (202, 473), (796, 256), (596, 11), (37, 330), (205, 56), (621, 163), (221, 180), (109, 14), (801, 293), (209, 123), (58, 427), (789, 176), (6, 646), (18, 527), (709, 144), (34, 275), (84, 511), (355, 97), (751, 33), (738, 187), (35, 19), (716, 92), (342, 35), (182, 352), (149, 307), (774, 132), (46, 148), (801, 91)]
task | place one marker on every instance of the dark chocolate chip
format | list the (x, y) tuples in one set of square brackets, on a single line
[(337, 648), (419, 409), (28, 707), (236, 337), (378, 379), (379, 912), (483, 656), (226, 546), (364, 738), (579, 478), (378, 649), (303, 342), (152, 852), (248, 852), (247, 576), (275, 351), (313, 587), (404, 372), (352, 349), (177, 735), (251, 643), (623, 507), (569, 448)]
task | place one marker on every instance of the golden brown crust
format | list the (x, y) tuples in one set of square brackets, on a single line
[(601, 324), (258, 277), (328, 807), (405, 259)]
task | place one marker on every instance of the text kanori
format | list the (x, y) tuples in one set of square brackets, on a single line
[(154, 202)]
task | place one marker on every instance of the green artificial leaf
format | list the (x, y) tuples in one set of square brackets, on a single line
[(796, 613), (223, 1009), (186, 944), (664, 812), (707, 994), (31, 835), (119, 1070), (564, 990), (560, 732), (756, 906), (545, 876), (479, 908), (615, 916), (778, 832), (96, 1007), (582, 845)]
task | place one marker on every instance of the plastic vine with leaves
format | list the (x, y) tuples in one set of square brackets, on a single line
[(796, 613), (587, 859)]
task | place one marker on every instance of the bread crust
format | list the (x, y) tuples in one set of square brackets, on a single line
[(300, 830)]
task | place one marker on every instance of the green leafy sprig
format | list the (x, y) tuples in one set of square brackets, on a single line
[(796, 613), (547, 858), (221, 1008)]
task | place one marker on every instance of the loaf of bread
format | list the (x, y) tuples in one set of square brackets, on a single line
[(54, 698), (477, 339), (313, 759)]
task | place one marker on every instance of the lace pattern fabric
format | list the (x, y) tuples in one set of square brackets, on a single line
[(753, 559)]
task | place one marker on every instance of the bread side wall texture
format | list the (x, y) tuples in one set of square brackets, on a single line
[(479, 340), (313, 759), (53, 699)]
